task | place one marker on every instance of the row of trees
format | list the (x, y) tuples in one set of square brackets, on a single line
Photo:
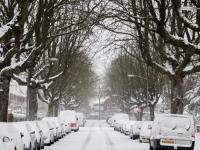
[(162, 38), (34, 32)]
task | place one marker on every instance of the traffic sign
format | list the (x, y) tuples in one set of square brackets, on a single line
[(139, 110)]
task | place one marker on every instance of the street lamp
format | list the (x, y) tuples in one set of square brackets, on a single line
[(131, 75), (28, 82)]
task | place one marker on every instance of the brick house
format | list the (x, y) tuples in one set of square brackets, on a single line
[(107, 107)]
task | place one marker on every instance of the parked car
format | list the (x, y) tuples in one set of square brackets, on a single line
[(39, 142), (3, 142), (38, 134), (145, 131), (172, 131), (108, 118), (12, 139), (29, 134), (62, 123), (58, 125), (135, 130), (111, 121), (55, 129), (69, 116), (80, 117), (120, 116), (84, 119), (128, 127), (47, 132), (124, 126)]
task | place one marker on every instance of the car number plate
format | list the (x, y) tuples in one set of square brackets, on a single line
[(168, 142)]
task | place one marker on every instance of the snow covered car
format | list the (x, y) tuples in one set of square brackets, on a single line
[(124, 126), (128, 127), (39, 142), (55, 129), (69, 116), (29, 134), (120, 116), (135, 130), (12, 139), (145, 131), (47, 132), (58, 125), (172, 131), (81, 121), (3, 142)]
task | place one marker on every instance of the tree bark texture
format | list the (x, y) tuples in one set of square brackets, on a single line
[(151, 112), (33, 103), (176, 95), (4, 97), (50, 109)]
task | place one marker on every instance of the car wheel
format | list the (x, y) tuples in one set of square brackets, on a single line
[(150, 148), (30, 147), (39, 146), (52, 141), (42, 147), (192, 147), (140, 140)]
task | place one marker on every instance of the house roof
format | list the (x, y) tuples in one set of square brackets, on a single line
[(102, 100)]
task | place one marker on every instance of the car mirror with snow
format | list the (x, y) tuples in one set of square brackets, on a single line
[(6, 139), (149, 127), (22, 135), (173, 126), (187, 127), (33, 132)]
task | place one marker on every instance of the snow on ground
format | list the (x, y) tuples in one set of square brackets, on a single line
[(98, 135)]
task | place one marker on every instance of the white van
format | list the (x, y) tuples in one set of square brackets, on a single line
[(70, 116), (120, 116), (81, 120), (172, 131)]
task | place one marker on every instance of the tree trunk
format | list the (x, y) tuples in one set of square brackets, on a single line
[(176, 95), (4, 97), (50, 109), (33, 103), (57, 107), (151, 113)]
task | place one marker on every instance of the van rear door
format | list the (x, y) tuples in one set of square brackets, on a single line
[(176, 130)]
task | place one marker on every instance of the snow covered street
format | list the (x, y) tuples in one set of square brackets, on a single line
[(98, 135)]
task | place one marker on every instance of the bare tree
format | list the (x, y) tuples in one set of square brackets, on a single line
[(159, 28)]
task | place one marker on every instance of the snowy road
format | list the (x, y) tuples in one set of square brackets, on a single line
[(97, 135)]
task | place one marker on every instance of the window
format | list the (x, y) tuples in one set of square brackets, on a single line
[(113, 105), (108, 105)]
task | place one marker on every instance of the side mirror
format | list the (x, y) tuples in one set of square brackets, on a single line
[(114, 120), (33, 132), (76, 118), (149, 127), (22, 135), (6, 139), (51, 128)]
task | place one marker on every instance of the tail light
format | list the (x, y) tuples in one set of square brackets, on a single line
[(193, 133), (159, 132), (73, 124)]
